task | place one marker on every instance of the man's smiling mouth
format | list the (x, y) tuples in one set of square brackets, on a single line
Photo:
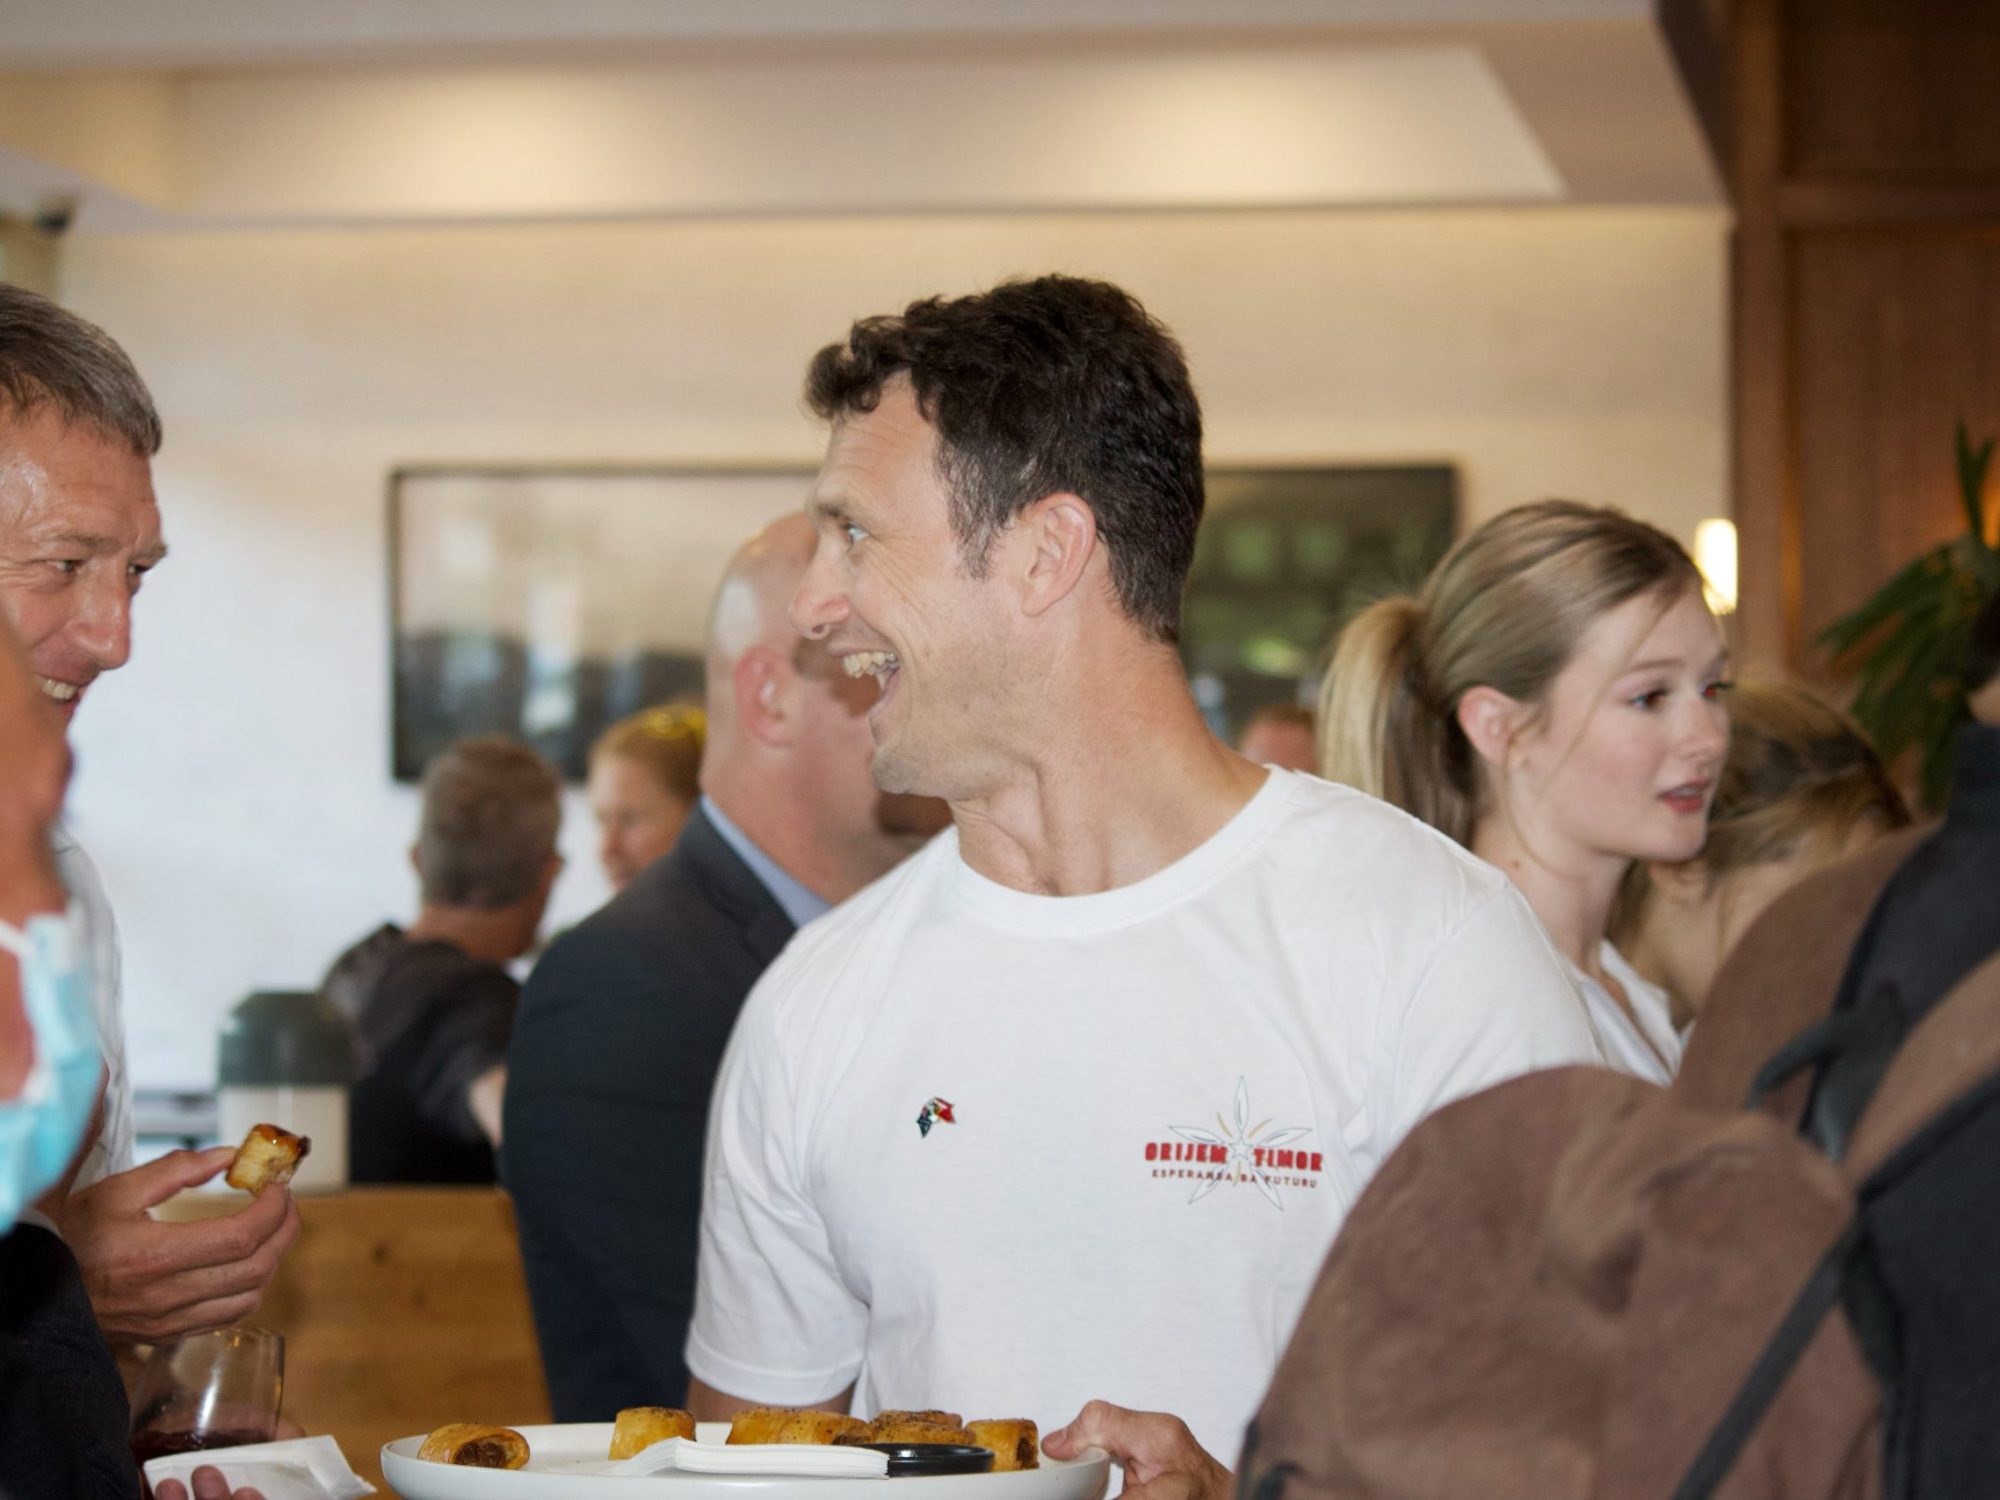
[(881, 665), (62, 692)]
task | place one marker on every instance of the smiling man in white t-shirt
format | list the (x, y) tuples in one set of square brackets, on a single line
[(1071, 1105)]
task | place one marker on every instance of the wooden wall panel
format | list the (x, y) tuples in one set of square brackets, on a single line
[(1865, 166), (1895, 88), (1898, 336)]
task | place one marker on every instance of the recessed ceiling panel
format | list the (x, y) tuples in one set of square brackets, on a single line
[(1186, 129)]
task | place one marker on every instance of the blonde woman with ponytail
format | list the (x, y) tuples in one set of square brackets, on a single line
[(1553, 700)]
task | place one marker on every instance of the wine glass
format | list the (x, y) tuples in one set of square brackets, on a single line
[(209, 1390)]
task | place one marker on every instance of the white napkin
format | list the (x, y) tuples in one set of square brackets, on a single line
[(755, 1458), (311, 1468)]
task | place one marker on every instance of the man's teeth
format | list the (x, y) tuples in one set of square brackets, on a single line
[(62, 692), (870, 663)]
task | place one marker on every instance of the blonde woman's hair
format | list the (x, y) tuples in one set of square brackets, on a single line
[(1798, 771), (1505, 609), (666, 740)]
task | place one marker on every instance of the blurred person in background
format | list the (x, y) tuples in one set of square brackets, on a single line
[(79, 530), (645, 774), (1553, 700), (1801, 789), (433, 1005), (624, 1020), (1280, 734)]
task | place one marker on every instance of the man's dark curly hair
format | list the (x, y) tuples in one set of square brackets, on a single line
[(1054, 385)]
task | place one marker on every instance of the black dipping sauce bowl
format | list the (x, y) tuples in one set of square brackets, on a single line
[(907, 1460)]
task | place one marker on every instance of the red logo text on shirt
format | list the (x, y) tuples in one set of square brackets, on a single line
[(1238, 1154)]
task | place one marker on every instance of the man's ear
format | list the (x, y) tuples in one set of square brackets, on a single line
[(1492, 721), (1054, 540), (767, 696)]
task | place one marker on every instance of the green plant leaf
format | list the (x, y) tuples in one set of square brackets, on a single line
[(1972, 466), (1912, 587), (1905, 645)]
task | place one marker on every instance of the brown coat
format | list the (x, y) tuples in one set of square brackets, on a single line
[(1782, 977), (1553, 1289)]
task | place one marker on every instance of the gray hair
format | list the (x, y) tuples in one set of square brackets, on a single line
[(51, 357), (491, 811)]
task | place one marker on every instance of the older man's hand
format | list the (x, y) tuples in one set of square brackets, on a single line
[(151, 1281), (208, 1485), (1162, 1460)]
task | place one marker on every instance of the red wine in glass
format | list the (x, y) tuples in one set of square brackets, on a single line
[(210, 1390)]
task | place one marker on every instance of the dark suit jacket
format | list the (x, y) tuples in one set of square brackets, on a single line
[(615, 1050), (63, 1417)]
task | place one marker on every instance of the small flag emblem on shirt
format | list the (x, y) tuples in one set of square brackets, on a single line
[(933, 1111)]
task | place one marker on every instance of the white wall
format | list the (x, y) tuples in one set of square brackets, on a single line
[(233, 780)]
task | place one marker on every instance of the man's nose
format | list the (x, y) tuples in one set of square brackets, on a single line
[(819, 603), (104, 629)]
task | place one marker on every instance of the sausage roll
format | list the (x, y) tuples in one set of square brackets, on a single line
[(1013, 1442), (470, 1445), (912, 1427), (782, 1424), (639, 1427)]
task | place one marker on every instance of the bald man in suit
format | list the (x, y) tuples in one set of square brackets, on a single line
[(623, 1023)]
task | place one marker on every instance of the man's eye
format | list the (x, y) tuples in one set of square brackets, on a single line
[(67, 565), (854, 533)]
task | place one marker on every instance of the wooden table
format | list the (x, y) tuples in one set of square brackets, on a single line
[(402, 1309)]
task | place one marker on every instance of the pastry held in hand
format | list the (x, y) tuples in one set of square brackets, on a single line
[(639, 1427), (1013, 1442), (267, 1158), (783, 1424), (472, 1446)]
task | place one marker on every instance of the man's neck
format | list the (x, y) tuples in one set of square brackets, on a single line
[(1116, 791), (778, 819), (494, 936)]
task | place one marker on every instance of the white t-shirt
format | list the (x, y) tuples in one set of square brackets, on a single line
[(112, 1150), (1651, 1047), (1002, 1153)]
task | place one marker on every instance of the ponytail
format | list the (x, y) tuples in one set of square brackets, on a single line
[(1383, 731)]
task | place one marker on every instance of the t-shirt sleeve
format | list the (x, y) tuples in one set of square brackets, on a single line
[(774, 1321), (1493, 1002)]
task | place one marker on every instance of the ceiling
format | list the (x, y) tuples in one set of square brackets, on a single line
[(133, 116)]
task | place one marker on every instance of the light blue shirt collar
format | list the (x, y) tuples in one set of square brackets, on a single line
[(800, 904)]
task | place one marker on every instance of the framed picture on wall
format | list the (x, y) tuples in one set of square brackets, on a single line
[(548, 603), (1285, 556)]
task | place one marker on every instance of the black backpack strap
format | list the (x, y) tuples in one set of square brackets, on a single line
[(1760, 1388), (1811, 1047)]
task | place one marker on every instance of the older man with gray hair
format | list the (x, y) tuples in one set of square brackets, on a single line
[(433, 1005), (79, 531)]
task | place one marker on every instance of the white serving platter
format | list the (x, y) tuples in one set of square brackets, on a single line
[(561, 1456)]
